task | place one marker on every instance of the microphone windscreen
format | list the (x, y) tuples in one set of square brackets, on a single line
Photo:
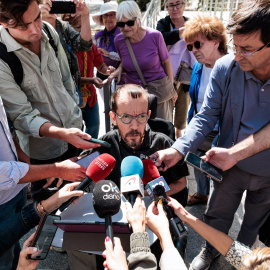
[(131, 165), (100, 167), (106, 198), (150, 171)]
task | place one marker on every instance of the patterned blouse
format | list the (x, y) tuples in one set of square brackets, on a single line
[(237, 254)]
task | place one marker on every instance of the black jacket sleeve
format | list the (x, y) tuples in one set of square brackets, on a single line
[(170, 37)]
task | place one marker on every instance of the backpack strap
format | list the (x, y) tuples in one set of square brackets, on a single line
[(51, 40), (14, 63)]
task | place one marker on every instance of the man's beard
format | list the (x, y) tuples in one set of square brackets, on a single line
[(133, 143)]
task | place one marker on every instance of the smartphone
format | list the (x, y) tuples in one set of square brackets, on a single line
[(85, 161), (102, 143), (44, 236), (60, 7), (204, 166)]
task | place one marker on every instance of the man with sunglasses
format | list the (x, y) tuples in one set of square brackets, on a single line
[(238, 94)]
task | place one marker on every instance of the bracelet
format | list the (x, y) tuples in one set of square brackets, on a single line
[(41, 209)]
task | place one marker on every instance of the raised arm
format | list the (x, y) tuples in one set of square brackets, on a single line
[(217, 239)]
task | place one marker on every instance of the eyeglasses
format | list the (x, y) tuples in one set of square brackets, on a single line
[(111, 15), (177, 6), (244, 53), (128, 23), (127, 118), (196, 44)]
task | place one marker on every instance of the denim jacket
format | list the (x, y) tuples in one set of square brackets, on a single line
[(194, 87)]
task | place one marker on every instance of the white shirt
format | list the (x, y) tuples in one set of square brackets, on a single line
[(203, 84), (11, 171)]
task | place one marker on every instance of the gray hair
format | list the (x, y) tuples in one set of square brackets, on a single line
[(129, 10)]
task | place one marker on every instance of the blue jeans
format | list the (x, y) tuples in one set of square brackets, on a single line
[(203, 182), (9, 260), (91, 119)]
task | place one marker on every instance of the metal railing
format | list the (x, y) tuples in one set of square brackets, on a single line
[(109, 88), (150, 17), (221, 8)]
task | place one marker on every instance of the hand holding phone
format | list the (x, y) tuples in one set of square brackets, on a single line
[(44, 236), (102, 143), (204, 166), (61, 7)]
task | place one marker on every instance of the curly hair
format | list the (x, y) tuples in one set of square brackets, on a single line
[(258, 259), (208, 26), (11, 11)]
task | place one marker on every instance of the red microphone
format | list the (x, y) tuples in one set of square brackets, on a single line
[(98, 169), (150, 171)]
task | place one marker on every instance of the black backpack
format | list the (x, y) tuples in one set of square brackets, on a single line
[(14, 62)]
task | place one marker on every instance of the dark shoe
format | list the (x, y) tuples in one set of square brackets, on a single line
[(197, 198), (204, 259)]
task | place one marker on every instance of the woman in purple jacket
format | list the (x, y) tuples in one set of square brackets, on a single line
[(104, 39)]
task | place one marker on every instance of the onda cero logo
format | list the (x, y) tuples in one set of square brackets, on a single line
[(111, 191)]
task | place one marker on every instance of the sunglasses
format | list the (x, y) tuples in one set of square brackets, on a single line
[(196, 44), (128, 23)]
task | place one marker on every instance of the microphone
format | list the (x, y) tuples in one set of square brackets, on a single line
[(98, 169), (131, 175), (178, 231), (150, 172), (157, 189), (107, 202)]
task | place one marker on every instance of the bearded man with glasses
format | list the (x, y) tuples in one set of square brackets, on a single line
[(238, 95), (133, 137)]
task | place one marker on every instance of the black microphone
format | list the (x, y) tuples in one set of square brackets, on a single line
[(107, 202), (177, 228)]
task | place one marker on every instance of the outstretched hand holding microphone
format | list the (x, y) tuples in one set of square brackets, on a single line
[(99, 169)]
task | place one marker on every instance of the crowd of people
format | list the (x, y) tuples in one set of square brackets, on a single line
[(217, 89)]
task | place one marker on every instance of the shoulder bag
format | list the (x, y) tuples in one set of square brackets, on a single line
[(162, 89)]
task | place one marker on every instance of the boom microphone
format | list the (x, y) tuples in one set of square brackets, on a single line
[(131, 175), (107, 202), (99, 169)]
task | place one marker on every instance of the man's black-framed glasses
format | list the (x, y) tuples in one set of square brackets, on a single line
[(128, 23), (177, 6), (127, 118), (244, 53)]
